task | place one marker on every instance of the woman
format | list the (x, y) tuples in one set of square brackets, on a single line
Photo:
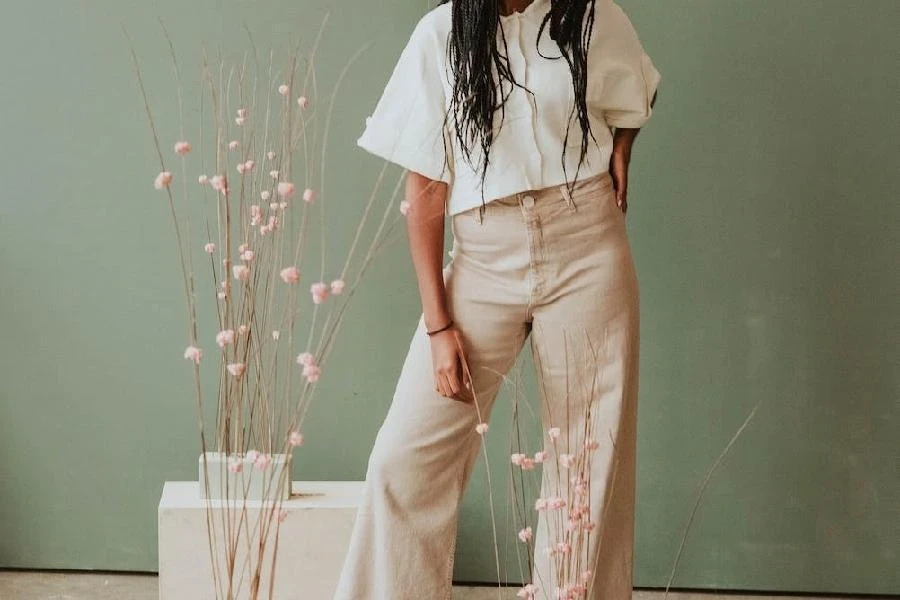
[(479, 109)]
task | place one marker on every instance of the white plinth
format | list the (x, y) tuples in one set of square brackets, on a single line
[(312, 542)]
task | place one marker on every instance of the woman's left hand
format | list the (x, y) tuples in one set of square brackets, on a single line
[(618, 168), (623, 139)]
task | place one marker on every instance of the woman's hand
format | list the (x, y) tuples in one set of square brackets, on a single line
[(623, 140), (448, 357)]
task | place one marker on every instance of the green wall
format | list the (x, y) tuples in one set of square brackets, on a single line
[(764, 220)]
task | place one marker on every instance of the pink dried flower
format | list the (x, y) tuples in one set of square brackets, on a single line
[(527, 464), (239, 120), (556, 502), (404, 207), (319, 292), (586, 575), (540, 456), (516, 458), (337, 286), (203, 180), (243, 247), (265, 195), (282, 515), (563, 547), (273, 173), (283, 89), (162, 180), (581, 510), (270, 155), (290, 274), (225, 337), (525, 534), (273, 206), (262, 462), (285, 189), (311, 372), (273, 222), (553, 433), (282, 205), (194, 354), (588, 525), (242, 112), (243, 329), (540, 504), (249, 164), (276, 335), (252, 455), (241, 272), (241, 168), (302, 102), (566, 460), (247, 255), (237, 369), (209, 248), (591, 444), (219, 183), (233, 144), (220, 295), (182, 148), (296, 438), (306, 358), (235, 465), (308, 195), (528, 592), (481, 428)]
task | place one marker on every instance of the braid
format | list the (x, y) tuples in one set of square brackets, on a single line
[(473, 57)]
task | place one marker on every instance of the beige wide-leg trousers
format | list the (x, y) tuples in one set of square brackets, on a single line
[(557, 267)]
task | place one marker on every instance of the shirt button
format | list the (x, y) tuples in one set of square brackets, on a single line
[(528, 201)]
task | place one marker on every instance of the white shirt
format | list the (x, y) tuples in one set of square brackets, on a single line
[(406, 125)]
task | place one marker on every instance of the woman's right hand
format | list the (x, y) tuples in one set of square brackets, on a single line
[(447, 355)]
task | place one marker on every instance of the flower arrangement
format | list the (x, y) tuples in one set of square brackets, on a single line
[(245, 198), (559, 529), (552, 480)]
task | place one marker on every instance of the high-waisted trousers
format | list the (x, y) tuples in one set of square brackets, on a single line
[(555, 266)]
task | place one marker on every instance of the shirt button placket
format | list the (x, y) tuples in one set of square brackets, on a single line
[(532, 176)]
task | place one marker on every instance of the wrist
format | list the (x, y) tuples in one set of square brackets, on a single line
[(436, 330), (436, 321)]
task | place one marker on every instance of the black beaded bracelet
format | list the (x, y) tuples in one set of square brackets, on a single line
[(444, 328)]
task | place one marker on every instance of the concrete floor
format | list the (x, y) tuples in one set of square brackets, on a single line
[(55, 585)]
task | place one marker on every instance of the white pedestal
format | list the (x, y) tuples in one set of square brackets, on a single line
[(312, 541)]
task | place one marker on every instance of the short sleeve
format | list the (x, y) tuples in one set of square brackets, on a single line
[(407, 126), (625, 77)]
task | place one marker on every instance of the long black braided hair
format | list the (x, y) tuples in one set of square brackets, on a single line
[(473, 57)]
